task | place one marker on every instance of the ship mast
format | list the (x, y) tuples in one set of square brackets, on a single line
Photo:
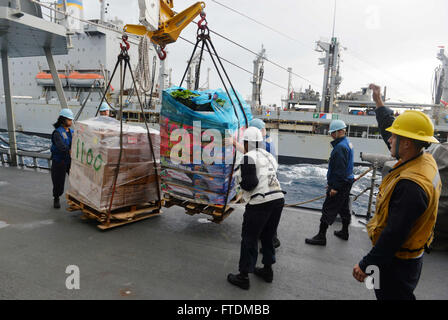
[(288, 97), (332, 80), (191, 76), (441, 84), (258, 78), (162, 77), (103, 11)]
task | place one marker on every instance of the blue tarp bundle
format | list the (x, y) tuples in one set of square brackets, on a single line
[(222, 118)]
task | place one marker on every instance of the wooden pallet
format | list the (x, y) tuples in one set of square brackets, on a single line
[(192, 208), (118, 217)]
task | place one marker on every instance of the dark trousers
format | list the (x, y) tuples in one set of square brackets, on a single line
[(340, 203), (259, 222), (58, 171), (399, 279)]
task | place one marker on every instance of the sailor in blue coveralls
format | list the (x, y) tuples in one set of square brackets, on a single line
[(340, 180), (267, 142), (61, 143)]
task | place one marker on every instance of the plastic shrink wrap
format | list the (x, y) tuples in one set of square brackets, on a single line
[(191, 176), (95, 152)]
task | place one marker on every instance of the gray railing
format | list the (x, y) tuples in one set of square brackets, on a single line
[(5, 159)]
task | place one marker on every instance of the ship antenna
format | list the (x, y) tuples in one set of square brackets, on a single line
[(103, 11), (334, 18)]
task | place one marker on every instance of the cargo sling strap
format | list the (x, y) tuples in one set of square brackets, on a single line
[(203, 39), (123, 61)]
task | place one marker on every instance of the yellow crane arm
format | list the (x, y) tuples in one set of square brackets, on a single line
[(171, 24)]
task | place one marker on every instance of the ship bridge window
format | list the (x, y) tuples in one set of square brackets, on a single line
[(321, 129), (131, 116), (363, 132)]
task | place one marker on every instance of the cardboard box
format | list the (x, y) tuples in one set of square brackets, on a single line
[(95, 153)]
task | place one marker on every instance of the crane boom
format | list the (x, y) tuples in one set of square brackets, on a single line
[(169, 25)]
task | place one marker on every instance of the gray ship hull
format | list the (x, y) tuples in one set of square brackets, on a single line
[(297, 148), (36, 117)]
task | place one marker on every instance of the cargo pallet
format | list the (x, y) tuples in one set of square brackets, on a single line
[(118, 217), (192, 208)]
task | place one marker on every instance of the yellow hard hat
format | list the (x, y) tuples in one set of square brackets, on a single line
[(415, 125)]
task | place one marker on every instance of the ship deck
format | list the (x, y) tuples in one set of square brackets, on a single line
[(172, 256)]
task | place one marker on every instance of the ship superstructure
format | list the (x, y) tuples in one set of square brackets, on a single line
[(300, 127), (83, 72)]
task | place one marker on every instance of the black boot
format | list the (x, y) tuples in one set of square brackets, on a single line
[(265, 273), (320, 239), (239, 280), (343, 233), (56, 203)]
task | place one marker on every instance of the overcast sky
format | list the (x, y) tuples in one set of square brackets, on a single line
[(390, 42)]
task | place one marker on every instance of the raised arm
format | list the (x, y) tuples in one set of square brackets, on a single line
[(384, 115)]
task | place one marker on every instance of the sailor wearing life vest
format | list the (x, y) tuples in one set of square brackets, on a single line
[(61, 142), (269, 147), (406, 207), (257, 176)]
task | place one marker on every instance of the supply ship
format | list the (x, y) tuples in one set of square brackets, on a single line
[(84, 70), (302, 124), (299, 128)]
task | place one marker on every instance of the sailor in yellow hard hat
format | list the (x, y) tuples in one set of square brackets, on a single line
[(406, 209)]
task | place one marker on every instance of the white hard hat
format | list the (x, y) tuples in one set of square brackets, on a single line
[(104, 107), (252, 134), (67, 113), (337, 125)]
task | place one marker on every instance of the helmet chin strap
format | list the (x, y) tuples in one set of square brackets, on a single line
[(397, 148)]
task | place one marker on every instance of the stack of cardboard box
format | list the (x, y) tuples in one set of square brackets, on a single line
[(189, 136), (95, 153)]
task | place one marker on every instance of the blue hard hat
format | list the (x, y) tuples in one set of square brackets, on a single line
[(257, 123), (336, 125), (104, 107), (67, 113)]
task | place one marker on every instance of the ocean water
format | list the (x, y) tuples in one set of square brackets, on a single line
[(29, 143), (302, 182)]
